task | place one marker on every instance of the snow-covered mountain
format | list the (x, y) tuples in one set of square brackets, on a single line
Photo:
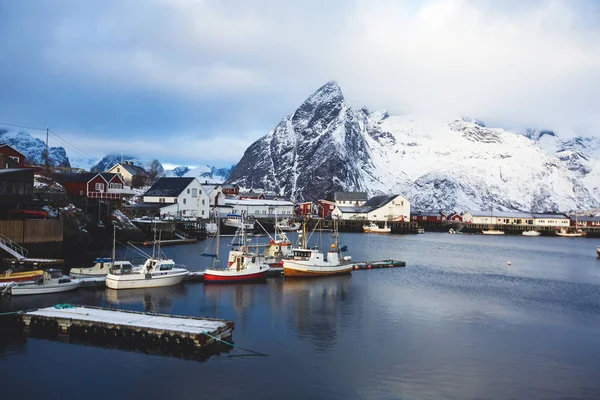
[(327, 145), (34, 148), (110, 160), (204, 173)]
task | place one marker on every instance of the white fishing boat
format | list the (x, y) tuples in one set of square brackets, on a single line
[(286, 226), (569, 233), (310, 262), (242, 265), (374, 228), (155, 272), (51, 281), (531, 233), (236, 221), (100, 269)]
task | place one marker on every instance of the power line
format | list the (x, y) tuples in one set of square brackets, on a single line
[(23, 126), (72, 146)]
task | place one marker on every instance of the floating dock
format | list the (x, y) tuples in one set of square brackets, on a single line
[(137, 329), (379, 264)]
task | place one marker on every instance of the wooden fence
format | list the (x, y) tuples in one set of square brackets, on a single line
[(33, 231)]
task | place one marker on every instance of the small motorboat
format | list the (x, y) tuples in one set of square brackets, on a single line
[(569, 233), (531, 233), (51, 281), (100, 269), (420, 230), (374, 228), (492, 232), (10, 276), (211, 228), (286, 226), (237, 221)]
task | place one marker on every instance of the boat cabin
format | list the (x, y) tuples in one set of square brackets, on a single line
[(121, 268)]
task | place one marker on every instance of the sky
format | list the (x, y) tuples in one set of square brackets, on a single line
[(196, 82)]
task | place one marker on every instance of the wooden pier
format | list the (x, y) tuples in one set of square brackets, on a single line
[(137, 329)]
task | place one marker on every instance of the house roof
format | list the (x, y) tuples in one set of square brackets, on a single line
[(350, 196), (378, 201), (229, 186), (351, 210), (10, 147), (514, 214), (585, 218), (108, 176), (169, 187), (77, 177), (9, 171), (134, 170), (258, 202), (427, 213)]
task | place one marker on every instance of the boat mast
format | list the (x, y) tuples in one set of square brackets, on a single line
[(114, 242), (216, 259)]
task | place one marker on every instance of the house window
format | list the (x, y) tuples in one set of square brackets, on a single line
[(424, 217), (402, 203), (202, 201), (184, 201), (194, 193), (188, 191), (161, 200), (202, 212), (81, 192), (118, 169), (115, 186), (100, 187)]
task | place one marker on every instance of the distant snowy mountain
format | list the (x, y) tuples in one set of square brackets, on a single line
[(34, 149), (204, 173), (327, 145), (110, 160)]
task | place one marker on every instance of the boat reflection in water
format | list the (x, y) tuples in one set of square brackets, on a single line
[(158, 299), (316, 307)]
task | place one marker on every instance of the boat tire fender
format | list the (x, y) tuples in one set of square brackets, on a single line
[(152, 340), (166, 340), (176, 341), (187, 344)]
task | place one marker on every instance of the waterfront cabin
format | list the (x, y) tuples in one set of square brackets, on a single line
[(584, 220), (326, 208), (305, 208), (516, 218), (455, 218), (428, 217), (177, 198), (393, 207)]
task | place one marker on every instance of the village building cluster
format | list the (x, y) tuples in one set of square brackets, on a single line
[(190, 198)]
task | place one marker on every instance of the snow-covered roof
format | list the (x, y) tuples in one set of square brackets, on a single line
[(351, 210), (169, 187)]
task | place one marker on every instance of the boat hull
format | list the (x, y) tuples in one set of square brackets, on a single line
[(43, 289), (380, 230), (217, 276), (292, 269), (531, 233), (569, 234), (493, 232), (21, 276), (139, 281)]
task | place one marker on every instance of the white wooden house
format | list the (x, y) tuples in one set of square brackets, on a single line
[(394, 207), (350, 199), (515, 218), (179, 197), (259, 208)]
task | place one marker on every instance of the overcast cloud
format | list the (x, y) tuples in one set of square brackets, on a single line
[(195, 82)]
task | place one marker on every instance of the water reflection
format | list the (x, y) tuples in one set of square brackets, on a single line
[(316, 307), (159, 300)]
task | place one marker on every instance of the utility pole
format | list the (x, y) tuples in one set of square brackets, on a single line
[(46, 155)]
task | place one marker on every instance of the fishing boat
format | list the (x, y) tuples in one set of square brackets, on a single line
[(237, 221), (10, 276), (157, 271), (100, 268), (286, 226), (242, 265), (51, 281), (374, 228), (310, 262), (531, 233), (569, 233)]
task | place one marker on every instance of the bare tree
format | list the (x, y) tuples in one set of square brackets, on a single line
[(155, 171)]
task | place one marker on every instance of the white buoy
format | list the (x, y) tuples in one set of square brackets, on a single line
[(509, 263)]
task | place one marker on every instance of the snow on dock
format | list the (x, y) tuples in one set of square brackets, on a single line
[(147, 329)]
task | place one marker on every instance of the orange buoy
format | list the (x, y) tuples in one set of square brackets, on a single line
[(369, 266), (145, 243), (356, 267)]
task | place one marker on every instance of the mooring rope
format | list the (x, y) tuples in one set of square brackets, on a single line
[(233, 345)]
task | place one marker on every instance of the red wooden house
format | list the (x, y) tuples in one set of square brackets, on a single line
[(93, 185), (304, 208), (455, 218), (326, 207), (230, 190), (428, 217), (10, 157), (586, 221), (252, 196)]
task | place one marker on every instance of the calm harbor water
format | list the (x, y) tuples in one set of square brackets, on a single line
[(457, 323)]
